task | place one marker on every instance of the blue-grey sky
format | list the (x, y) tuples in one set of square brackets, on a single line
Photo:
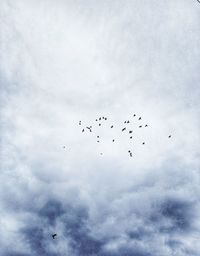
[(69, 60)]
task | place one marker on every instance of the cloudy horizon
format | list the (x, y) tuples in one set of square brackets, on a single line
[(65, 61)]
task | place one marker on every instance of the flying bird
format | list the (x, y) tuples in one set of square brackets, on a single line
[(105, 118), (130, 131), (89, 128), (140, 118), (54, 235), (134, 115), (131, 137), (124, 129), (99, 124), (113, 140), (111, 126), (140, 126), (169, 136), (79, 122), (83, 130), (146, 125), (143, 143)]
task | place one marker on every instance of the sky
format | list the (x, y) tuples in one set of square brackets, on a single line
[(70, 60)]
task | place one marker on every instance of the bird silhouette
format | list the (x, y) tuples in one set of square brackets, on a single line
[(113, 140), (128, 122), (143, 143), (131, 137), (105, 118), (146, 125), (97, 140), (99, 118), (83, 130), (140, 118), (79, 122), (97, 136), (124, 129), (140, 126), (169, 136), (99, 124), (130, 131), (134, 115), (54, 235), (111, 126)]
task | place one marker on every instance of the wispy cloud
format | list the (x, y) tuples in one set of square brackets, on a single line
[(65, 61)]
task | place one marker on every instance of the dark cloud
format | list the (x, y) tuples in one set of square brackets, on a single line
[(77, 230), (52, 210), (180, 214)]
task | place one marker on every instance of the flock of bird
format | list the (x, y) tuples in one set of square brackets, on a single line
[(125, 127)]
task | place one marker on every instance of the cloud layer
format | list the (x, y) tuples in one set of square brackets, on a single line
[(66, 61)]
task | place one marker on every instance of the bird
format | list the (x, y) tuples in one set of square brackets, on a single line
[(54, 235), (83, 130), (124, 122), (97, 140), (169, 136), (129, 151), (79, 122), (143, 143), (113, 140), (134, 115), (140, 126), (140, 118), (130, 131), (131, 137), (128, 122), (105, 118), (124, 129), (97, 136), (89, 128), (99, 118), (101, 153), (131, 154), (146, 125), (63, 146), (99, 124), (96, 120), (111, 126)]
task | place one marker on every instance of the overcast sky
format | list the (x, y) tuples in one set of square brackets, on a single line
[(69, 60)]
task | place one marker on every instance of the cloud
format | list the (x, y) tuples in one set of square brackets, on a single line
[(68, 61)]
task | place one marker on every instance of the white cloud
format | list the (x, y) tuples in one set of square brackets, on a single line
[(66, 61)]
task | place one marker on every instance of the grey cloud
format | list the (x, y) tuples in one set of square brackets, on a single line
[(66, 61)]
